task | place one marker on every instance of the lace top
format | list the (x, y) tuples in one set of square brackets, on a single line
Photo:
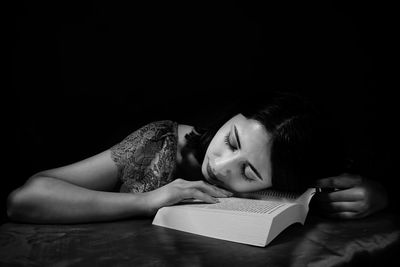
[(146, 159)]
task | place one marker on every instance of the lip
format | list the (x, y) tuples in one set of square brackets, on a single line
[(211, 174)]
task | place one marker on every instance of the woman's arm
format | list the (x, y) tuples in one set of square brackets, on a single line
[(51, 200), (74, 193), (80, 193)]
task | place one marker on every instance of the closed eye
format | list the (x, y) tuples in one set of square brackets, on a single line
[(233, 148), (244, 174), (228, 142)]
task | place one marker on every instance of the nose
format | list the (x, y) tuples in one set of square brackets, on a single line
[(226, 165)]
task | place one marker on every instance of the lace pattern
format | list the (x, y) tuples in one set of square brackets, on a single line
[(146, 159)]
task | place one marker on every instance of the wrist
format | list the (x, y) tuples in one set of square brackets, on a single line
[(147, 204), (137, 204)]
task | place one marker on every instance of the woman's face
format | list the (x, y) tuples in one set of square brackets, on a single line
[(238, 157)]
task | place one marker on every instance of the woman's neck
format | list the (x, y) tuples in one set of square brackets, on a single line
[(188, 167)]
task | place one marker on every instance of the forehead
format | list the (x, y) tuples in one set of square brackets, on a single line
[(253, 135)]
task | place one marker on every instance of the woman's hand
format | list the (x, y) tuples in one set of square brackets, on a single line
[(349, 196), (179, 190)]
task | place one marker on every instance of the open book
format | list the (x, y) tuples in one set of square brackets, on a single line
[(251, 218)]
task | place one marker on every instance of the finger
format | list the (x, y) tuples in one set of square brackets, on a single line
[(211, 189), (345, 195), (346, 215), (341, 182), (333, 207), (197, 194), (226, 192)]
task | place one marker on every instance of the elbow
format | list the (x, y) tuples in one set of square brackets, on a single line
[(21, 202), (13, 203), (16, 204)]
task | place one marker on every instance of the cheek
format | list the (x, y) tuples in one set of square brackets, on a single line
[(215, 147)]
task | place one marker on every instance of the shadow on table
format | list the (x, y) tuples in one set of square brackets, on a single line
[(373, 241)]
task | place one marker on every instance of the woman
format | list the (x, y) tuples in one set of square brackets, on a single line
[(281, 143)]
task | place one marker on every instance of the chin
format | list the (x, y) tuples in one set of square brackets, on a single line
[(203, 169)]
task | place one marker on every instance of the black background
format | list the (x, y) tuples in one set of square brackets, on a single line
[(87, 73)]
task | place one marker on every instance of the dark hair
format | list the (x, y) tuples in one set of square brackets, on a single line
[(305, 144)]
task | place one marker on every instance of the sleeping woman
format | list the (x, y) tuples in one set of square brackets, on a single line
[(280, 142)]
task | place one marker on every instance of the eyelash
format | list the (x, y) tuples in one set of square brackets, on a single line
[(243, 168), (226, 139)]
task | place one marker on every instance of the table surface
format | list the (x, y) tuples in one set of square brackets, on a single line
[(371, 241)]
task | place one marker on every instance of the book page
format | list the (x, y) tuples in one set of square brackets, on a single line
[(281, 196), (243, 205), (273, 195)]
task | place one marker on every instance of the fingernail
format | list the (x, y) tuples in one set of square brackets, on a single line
[(229, 194)]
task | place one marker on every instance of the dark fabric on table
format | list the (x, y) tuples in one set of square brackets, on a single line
[(373, 241)]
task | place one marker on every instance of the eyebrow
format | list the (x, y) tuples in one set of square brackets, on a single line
[(237, 136), (255, 171), (250, 165)]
